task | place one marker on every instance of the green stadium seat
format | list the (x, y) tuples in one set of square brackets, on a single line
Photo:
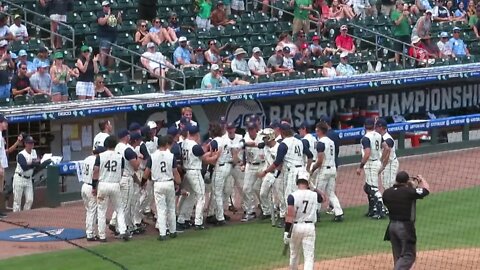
[(259, 29), (232, 30), (73, 18), (130, 15), (146, 88), (128, 26), (18, 45), (41, 98), (88, 17), (116, 91), (257, 41), (245, 29), (311, 73), (125, 39), (280, 77), (264, 78), (22, 100), (79, 6), (296, 75), (82, 29), (91, 40), (247, 18), (130, 89), (35, 44), (125, 4), (117, 79), (217, 32), (5, 102), (243, 42), (260, 17)]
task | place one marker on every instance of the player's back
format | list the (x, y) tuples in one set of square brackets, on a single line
[(190, 161), (375, 144), (305, 202), (329, 152), (87, 169), (387, 137), (294, 155), (111, 165), (312, 143), (162, 163)]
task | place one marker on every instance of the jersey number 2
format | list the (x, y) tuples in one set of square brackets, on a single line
[(163, 166), (111, 166)]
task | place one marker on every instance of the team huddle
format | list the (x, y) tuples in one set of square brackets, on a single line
[(271, 173)]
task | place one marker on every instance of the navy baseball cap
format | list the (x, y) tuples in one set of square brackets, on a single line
[(304, 124), (326, 119), (173, 131), (28, 139), (99, 149), (285, 126), (231, 125), (381, 123), (184, 120), (274, 125), (135, 136), (134, 126), (369, 122), (145, 130), (251, 125), (3, 118), (122, 133), (193, 129)]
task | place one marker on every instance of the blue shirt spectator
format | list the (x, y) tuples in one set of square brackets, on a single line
[(456, 43), (212, 79), (182, 55)]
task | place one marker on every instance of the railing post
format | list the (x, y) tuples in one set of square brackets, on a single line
[(466, 133)]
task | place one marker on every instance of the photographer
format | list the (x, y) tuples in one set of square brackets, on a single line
[(401, 203)]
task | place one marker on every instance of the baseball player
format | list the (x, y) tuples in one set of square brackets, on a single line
[(105, 130), (107, 174), (254, 161), (89, 200), (161, 168), (132, 164), (139, 192), (193, 154), (235, 181), (327, 171), (27, 159), (389, 157), (371, 152), (151, 143), (308, 140), (300, 222)]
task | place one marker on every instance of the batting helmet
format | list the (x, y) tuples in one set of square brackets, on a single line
[(268, 134)]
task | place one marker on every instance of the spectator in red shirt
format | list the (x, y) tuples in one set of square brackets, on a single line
[(344, 42), (419, 52)]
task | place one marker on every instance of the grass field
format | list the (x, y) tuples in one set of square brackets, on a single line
[(447, 220)]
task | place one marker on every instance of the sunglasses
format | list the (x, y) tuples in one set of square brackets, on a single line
[(157, 21), (143, 25), (107, 6), (23, 68), (100, 82)]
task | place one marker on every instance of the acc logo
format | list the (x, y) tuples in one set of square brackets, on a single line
[(467, 120), (447, 123), (427, 125), (407, 127), (65, 167), (239, 110), (340, 135), (362, 132)]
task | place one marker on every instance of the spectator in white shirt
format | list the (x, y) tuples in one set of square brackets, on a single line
[(239, 64), (440, 13), (257, 64), (444, 46), (344, 68), (5, 32), (19, 30), (156, 63), (287, 59)]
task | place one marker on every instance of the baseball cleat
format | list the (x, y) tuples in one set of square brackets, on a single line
[(92, 239), (2, 215), (221, 223), (338, 218), (330, 211), (173, 235), (248, 217), (199, 228), (281, 223), (211, 220), (227, 218), (162, 238), (103, 240), (266, 217), (377, 217), (113, 229)]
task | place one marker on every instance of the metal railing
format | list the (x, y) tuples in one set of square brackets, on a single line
[(134, 65), (36, 14)]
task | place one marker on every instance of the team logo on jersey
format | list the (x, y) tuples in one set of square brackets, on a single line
[(239, 111)]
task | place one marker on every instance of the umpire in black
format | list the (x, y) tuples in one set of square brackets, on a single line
[(401, 203)]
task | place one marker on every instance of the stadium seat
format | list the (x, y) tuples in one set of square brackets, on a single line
[(264, 78), (280, 77), (130, 90), (117, 79), (5, 102), (22, 100), (79, 6), (232, 30), (125, 4), (296, 75), (259, 29), (116, 91), (260, 17), (41, 98), (146, 88), (88, 17), (311, 73)]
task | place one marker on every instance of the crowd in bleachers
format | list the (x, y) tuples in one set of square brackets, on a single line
[(221, 43)]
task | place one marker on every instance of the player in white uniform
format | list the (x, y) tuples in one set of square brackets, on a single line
[(327, 171), (389, 157), (89, 200), (27, 159), (105, 130), (300, 222), (151, 143), (254, 163), (107, 174), (161, 168), (193, 154), (132, 164), (311, 141), (371, 153)]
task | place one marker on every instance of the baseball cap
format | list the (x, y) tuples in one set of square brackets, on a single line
[(344, 54), (99, 149), (152, 124), (122, 133), (369, 122), (285, 126), (145, 130), (326, 119), (22, 53), (286, 49), (58, 55), (231, 125), (315, 38), (193, 129), (13, 55), (42, 50), (456, 29), (84, 48), (303, 177), (343, 27), (251, 125), (150, 45), (304, 124), (415, 39), (182, 39), (3, 118), (173, 131), (256, 49), (17, 16), (274, 125), (134, 126), (429, 11), (402, 177), (219, 3), (3, 43), (444, 35), (214, 67), (381, 123), (43, 65), (135, 136), (278, 48), (304, 46), (28, 139), (105, 3)]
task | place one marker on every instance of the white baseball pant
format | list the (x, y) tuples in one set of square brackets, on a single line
[(126, 194), (22, 185), (265, 190), (90, 203), (164, 194), (280, 190), (197, 197), (220, 176), (303, 237), (389, 174), (109, 192), (137, 209), (251, 187), (325, 181), (147, 197), (234, 186), (371, 169), (290, 176)]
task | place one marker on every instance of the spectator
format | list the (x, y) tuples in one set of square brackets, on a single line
[(431, 47), (60, 74), (219, 16), (5, 33), (285, 41), (58, 13), (162, 34), (22, 59), (212, 55), (198, 56), (41, 58), (41, 82), (363, 8), (19, 30), (107, 32), (182, 56), (423, 5), (224, 81), (203, 16), (238, 7), (474, 22), (315, 47), (20, 82), (101, 91), (275, 62), (387, 7), (472, 10), (322, 7), (459, 48), (423, 26), (419, 52), (460, 14), (156, 63), (6, 67), (301, 9), (143, 37), (87, 67), (339, 11), (344, 42), (401, 28), (211, 80), (301, 39), (287, 60), (239, 64), (440, 13), (187, 114), (228, 7), (328, 70), (147, 9), (303, 59), (344, 68), (444, 46), (449, 7), (257, 64)]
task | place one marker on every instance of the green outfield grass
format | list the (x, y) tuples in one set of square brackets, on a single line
[(446, 220)]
